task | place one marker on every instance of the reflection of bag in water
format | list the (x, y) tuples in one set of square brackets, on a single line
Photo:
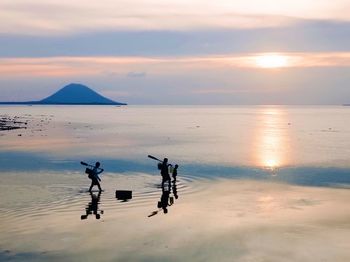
[(166, 185), (160, 166), (89, 172)]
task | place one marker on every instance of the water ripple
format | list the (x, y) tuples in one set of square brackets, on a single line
[(74, 199)]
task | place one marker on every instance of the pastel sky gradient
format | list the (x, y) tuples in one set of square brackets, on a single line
[(178, 52)]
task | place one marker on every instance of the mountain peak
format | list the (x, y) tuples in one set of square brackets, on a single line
[(76, 93), (75, 85)]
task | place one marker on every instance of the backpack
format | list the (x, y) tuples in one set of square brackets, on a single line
[(89, 172)]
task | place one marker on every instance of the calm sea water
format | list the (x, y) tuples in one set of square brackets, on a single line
[(205, 141), (244, 173)]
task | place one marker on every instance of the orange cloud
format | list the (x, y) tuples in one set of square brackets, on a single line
[(68, 66)]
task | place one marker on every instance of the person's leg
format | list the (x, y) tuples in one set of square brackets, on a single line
[(99, 186), (92, 184), (169, 182)]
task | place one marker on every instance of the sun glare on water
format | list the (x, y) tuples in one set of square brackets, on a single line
[(271, 61)]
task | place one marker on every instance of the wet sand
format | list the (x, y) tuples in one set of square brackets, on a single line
[(221, 219), (8, 123)]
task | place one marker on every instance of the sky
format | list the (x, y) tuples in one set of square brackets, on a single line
[(178, 52)]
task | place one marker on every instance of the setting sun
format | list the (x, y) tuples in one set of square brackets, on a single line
[(271, 61)]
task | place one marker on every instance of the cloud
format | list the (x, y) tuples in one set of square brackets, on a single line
[(137, 74), (63, 17), (135, 66), (227, 91), (304, 36), (193, 52), (311, 78)]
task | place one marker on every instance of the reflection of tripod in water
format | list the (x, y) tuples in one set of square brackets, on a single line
[(92, 207), (165, 199)]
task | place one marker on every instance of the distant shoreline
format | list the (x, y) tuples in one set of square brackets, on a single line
[(82, 104)]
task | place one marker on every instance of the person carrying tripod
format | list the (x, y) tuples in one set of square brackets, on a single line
[(93, 174), (164, 171)]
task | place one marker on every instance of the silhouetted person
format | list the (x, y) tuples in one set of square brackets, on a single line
[(164, 171), (95, 178), (175, 172), (92, 207)]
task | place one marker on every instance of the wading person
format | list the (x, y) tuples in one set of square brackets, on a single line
[(164, 171), (95, 179), (175, 172)]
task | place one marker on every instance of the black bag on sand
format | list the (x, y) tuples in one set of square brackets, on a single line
[(123, 194)]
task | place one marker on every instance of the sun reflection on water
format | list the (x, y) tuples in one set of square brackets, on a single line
[(271, 139)]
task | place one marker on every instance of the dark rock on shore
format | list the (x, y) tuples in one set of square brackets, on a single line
[(11, 123)]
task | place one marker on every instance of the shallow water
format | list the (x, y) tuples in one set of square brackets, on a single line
[(255, 184)]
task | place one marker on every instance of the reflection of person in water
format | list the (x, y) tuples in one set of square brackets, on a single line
[(175, 190), (164, 171), (166, 200), (92, 207), (95, 178)]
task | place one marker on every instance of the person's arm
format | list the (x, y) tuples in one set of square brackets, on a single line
[(99, 172), (96, 173), (97, 177)]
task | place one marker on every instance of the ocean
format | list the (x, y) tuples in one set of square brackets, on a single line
[(255, 183)]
